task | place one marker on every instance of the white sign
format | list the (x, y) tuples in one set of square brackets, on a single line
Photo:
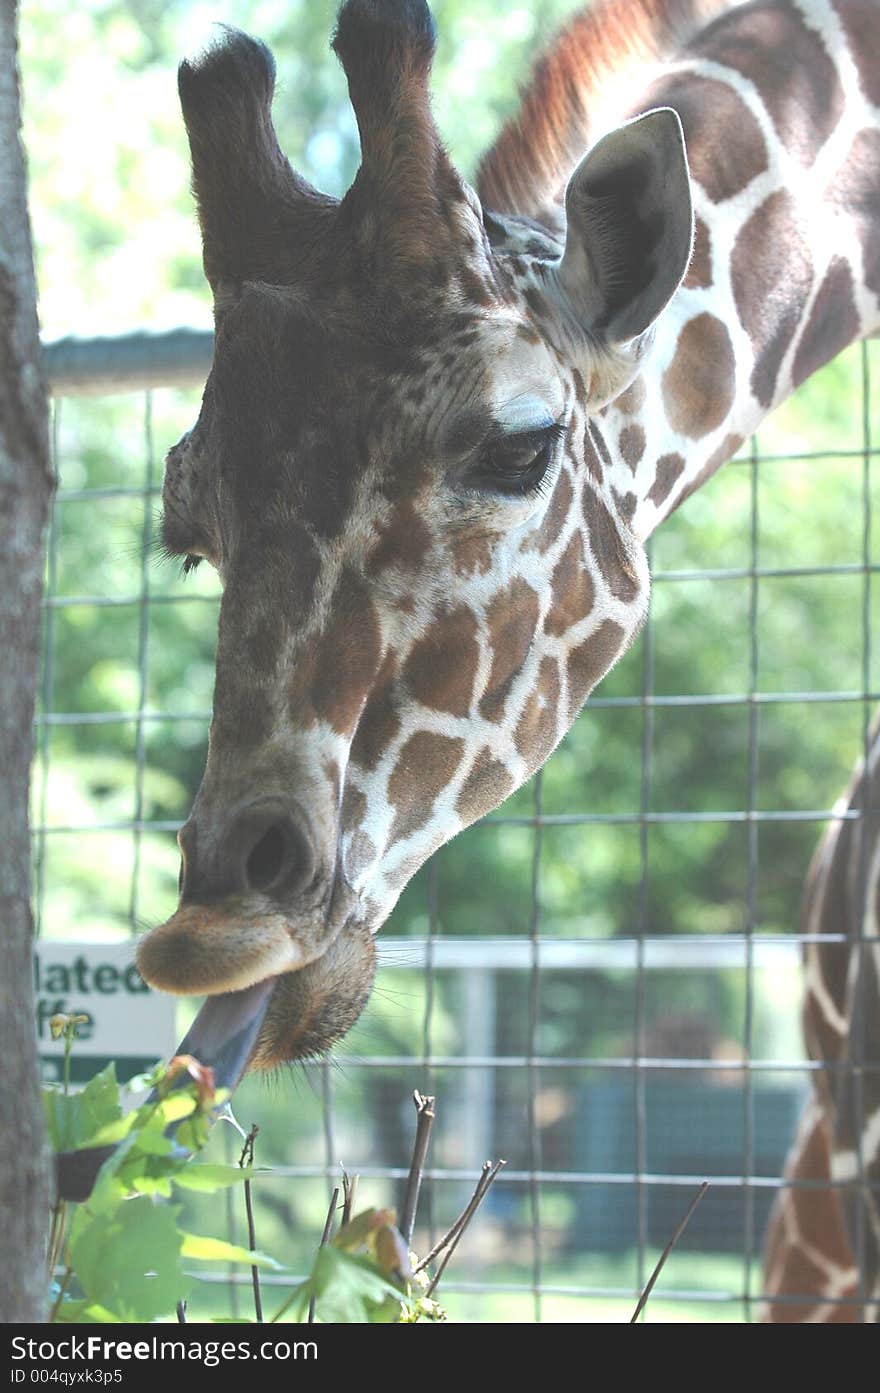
[(127, 1021)]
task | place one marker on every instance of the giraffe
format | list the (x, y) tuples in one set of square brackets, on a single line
[(814, 1234), (442, 422)]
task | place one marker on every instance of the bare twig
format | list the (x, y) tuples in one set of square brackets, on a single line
[(349, 1192), (328, 1223), (181, 1313), (462, 1220), (487, 1179), (56, 1236), (424, 1122), (643, 1299), (247, 1159)]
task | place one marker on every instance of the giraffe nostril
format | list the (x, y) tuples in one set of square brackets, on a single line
[(267, 859), (263, 848)]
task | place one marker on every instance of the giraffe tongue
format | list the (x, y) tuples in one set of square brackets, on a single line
[(222, 1036), (224, 1033)]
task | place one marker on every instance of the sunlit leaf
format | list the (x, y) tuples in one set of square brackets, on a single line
[(218, 1250), (351, 1289), (128, 1260), (74, 1119), (362, 1227), (208, 1178)]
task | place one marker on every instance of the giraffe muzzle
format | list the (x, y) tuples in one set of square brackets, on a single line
[(266, 847), (255, 901)]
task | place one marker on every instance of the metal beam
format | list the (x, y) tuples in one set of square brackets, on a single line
[(128, 362)]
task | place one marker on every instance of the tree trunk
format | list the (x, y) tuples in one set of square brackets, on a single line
[(26, 484)]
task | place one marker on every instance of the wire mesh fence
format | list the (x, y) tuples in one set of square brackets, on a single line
[(601, 981)]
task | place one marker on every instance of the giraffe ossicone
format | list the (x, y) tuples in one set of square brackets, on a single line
[(440, 424)]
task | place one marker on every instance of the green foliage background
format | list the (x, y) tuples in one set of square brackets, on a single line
[(118, 250)]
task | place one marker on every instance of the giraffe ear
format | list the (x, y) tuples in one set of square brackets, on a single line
[(629, 227)]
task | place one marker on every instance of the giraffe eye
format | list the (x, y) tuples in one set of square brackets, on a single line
[(516, 464)]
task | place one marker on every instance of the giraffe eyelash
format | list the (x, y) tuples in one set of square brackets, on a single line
[(158, 547), (518, 465)]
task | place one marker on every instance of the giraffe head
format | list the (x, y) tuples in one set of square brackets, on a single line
[(394, 476)]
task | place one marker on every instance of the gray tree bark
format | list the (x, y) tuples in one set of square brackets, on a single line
[(26, 485)]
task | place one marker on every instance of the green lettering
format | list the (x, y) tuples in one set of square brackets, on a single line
[(57, 978), (106, 979), (134, 982)]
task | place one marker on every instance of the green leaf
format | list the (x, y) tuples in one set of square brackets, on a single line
[(73, 1119), (296, 1304), (218, 1250), (59, 1111), (111, 1186), (350, 1289), (170, 1109), (98, 1104), (193, 1133), (139, 1083), (208, 1178), (128, 1260), (152, 1141), (113, 1132)]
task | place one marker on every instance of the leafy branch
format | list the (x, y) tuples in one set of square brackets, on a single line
[(123, 1253)]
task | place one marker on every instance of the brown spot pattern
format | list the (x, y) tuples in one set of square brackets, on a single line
[(815, 1164), (348, 657), (380, 722), (360, 854), (669, 468), (632, 445), (404, 542), (632, 400), (572, 589), (472, 555), (833, 322), (725, 170), (699, 273), (535, 733), (772, 273), (723, 452), (592, 460), (487, 785), (512, 617), (598, 440), (557, 514), (625, 503), (789, 66), (590, 661), (859, 21), (698, 385), (857, 190), (442, 665), (424, 767), (607, 547), (580, 390)]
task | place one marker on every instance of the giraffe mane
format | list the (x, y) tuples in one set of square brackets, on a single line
[(577, 87)]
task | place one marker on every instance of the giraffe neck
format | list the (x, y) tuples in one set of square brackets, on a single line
[(816, 1235), (782, 120)]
